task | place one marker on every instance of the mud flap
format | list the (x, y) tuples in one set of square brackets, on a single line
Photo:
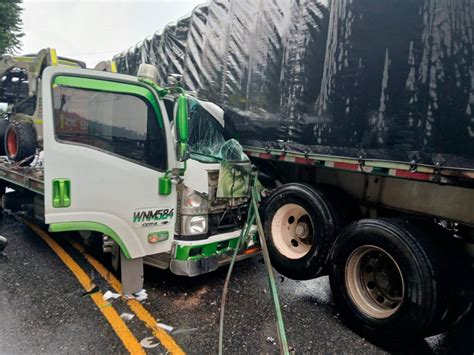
[(132, 275)]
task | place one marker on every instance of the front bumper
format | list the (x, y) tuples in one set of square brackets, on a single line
[(197, 258)]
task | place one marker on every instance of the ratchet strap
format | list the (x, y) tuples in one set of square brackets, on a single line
[(252, 217)]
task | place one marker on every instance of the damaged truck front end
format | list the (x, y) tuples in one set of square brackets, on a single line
[(213, 199), (140, 171)]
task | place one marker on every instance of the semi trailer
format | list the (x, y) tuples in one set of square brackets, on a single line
[(129, 165), (359, 116)]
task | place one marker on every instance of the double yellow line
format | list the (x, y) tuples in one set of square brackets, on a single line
[(118, 325)]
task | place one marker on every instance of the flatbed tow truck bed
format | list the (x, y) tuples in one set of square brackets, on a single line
[(25, 177)]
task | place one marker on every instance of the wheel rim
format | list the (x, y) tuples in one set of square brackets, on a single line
[(292, 231), (12, 143), (374, 282)]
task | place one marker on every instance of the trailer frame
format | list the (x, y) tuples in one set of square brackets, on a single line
[(28, 178)]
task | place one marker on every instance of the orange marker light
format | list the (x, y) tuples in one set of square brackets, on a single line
[(153, 238)]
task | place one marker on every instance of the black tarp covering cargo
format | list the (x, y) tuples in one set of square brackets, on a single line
[(385, 80)]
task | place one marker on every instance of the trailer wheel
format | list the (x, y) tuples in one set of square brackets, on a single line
[(3, 128), (457, 284), (300, 226), (20, 141), (386, 279)]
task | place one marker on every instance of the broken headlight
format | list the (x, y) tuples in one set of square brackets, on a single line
[(194, 209), (193, 202)]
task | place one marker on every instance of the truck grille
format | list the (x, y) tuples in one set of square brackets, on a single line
[(230, 220)]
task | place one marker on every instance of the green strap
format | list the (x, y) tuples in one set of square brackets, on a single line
[(253, 216), (271, 277)]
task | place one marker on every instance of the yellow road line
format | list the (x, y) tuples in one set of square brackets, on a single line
[(165, 339), (118, 325)]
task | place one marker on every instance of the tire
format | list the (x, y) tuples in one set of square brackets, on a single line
[(20, 141), (115, 258), (456, 283), (17, 201), (93, 241), (387, 280), (3, 244), (300, 226), (461, 337), (2, 194), (3, 128)]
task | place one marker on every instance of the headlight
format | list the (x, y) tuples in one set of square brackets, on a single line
[(193, 225), (193, 202), (194, 209)]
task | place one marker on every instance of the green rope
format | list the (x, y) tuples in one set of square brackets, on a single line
[(253, 216)]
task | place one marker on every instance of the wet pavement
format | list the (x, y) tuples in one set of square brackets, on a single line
[(43, 308)]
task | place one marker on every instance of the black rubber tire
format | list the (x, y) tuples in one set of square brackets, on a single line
[(115, 259), (2, 194), (26, 141), (325, 222), (3, 244), (3, 128), (461, 337), (95, 245), (419, 261), (17, 202), (93, 242), (456, 283)]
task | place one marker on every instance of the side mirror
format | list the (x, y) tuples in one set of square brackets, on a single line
[(182, 129), (165, 185)]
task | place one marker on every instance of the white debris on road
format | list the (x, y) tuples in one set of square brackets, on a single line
[(166, 327), (127, 316), (109, 294), (139, 296), (148, 343)]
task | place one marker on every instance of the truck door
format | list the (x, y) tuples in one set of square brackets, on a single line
[(106, 146)]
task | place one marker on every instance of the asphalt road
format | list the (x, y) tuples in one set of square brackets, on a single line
[(43, 309)]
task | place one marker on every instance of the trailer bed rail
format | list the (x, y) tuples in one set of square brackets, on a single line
[(26, 177)]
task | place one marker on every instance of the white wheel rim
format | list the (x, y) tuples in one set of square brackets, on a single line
[(374, 282), (292, 231)]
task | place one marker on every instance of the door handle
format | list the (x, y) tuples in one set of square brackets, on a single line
[(61, 193)]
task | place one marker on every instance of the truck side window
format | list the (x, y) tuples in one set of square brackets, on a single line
[(120, 124)]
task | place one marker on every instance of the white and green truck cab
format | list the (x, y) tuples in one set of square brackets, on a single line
[(136, 165)]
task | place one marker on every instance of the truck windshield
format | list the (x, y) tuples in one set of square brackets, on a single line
[(206, 138)]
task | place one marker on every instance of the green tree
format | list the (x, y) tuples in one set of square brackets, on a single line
[(10, 25)]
